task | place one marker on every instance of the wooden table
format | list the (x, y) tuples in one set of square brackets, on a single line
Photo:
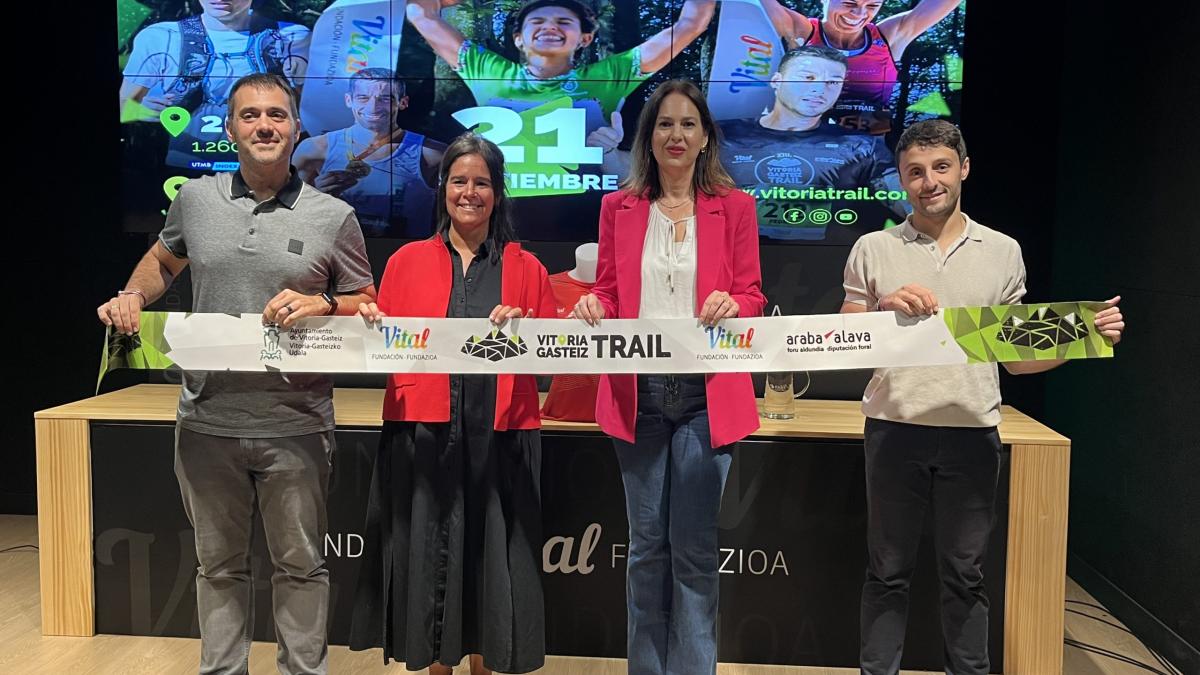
[(1037, 517)]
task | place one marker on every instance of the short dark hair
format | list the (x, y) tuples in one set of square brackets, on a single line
[(500, 226), (933, 134), (263, 81), (816, 51), (375, 75)]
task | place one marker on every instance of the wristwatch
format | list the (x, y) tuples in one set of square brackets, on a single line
[(333, 305)]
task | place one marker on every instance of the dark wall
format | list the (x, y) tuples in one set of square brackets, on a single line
[(1010, 95), (63, 246), (1126, 223)]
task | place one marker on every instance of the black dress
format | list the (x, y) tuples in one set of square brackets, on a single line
[(452, 559)]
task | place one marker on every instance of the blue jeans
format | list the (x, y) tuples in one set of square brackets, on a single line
[(673, 483)]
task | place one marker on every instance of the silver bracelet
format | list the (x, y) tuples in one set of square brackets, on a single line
[(134, 291)]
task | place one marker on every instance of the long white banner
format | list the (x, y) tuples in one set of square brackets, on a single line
[(548, 346)]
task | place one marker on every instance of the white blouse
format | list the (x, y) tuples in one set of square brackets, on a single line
[(668, 269)]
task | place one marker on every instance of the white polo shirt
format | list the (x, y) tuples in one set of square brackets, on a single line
[(983, 267)]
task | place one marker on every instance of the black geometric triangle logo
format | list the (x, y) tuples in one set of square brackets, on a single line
[(495, 347), (1043, 330)]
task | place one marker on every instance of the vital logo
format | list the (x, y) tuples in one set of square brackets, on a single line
[(755, 69), (495, 347), (719, 338), (728, 346), (271, 350), (395, 337), (362, 42), (557, 552), (1043, 329)]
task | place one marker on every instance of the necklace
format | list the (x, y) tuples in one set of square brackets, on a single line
[(665, 205)]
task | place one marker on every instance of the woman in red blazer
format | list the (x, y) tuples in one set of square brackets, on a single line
[(453, 558), (676, 241)]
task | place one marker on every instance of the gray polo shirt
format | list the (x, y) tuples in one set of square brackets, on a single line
[(983, 267), (242, 253)]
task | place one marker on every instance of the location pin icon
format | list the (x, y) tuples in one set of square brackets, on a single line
[(171, 187), (175, 119)]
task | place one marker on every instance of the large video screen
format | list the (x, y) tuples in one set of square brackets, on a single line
[(810, 97)]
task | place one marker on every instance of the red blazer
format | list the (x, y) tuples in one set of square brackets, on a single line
[(417, 283), (726, 259)]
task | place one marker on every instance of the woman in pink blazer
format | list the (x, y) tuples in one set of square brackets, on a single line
[(677, 241)]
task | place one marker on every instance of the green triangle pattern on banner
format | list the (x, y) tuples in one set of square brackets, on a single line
[(973, 313), (931, 104), (966, 326), (987, 318), (973, 346), (1077, 349)]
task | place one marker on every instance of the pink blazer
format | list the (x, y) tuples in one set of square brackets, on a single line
[(726, 260)]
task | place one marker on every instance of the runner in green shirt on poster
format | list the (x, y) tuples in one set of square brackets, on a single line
[(550, 34)]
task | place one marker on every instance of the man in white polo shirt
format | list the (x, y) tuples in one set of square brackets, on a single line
[(931, 437)]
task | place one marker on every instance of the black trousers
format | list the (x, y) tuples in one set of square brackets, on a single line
[(912, 468)]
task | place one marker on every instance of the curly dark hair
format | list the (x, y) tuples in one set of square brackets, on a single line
[(932, 134)]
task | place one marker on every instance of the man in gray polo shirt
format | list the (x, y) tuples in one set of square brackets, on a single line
[(931, 437), (258, 240)]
